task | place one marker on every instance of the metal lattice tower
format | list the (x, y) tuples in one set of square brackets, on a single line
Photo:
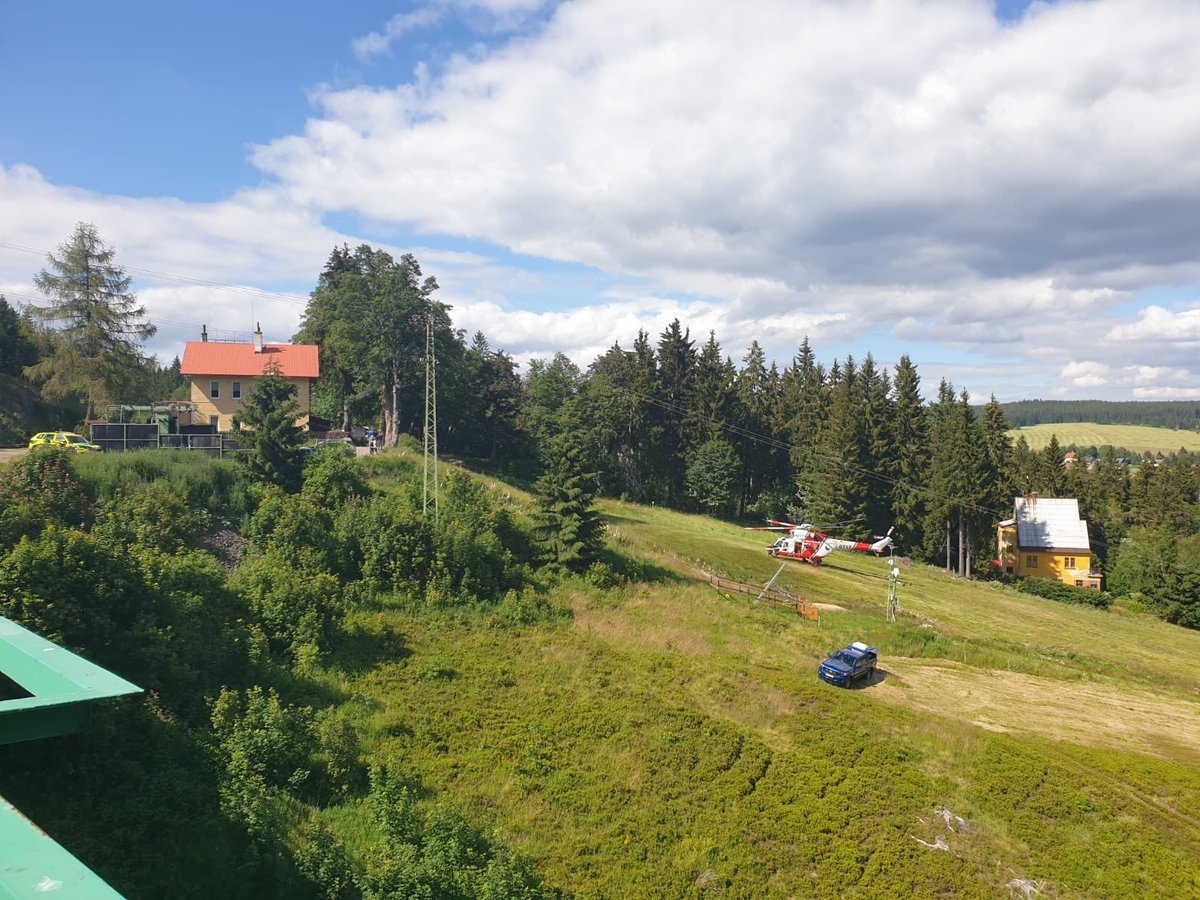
[(431, 451)]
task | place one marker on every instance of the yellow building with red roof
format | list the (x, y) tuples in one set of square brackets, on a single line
[(223, 373)]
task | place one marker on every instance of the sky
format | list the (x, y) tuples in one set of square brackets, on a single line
[(1008, 193)]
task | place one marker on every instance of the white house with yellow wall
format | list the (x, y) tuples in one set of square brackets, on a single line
[(223, 372), (1045, 538)]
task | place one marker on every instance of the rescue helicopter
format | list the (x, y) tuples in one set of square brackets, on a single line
[(805, 543)]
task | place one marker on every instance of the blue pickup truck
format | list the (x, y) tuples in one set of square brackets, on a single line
[(854, 661)]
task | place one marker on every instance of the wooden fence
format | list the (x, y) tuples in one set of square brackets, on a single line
[(773, 596)]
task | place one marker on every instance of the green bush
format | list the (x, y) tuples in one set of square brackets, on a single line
[(296, 605), (73, 588), (152, 515), (265, 747), (39, 489), (519, 609), (1064, 593), (387, 543), (430, 850), (294, 529), (332, 478)]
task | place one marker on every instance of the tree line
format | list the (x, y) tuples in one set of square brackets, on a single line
[(671, 420), (848, 446), (1183, 414)]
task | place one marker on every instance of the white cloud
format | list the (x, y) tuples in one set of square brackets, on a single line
[(379, 42), (1086, 374), (1156, 324), (792, 137), (768, 170)]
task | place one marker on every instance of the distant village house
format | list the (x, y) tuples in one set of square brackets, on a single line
[(1045, 538), (223, 373)]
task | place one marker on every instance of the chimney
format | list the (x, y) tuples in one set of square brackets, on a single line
[(258, 344), (204, 333)]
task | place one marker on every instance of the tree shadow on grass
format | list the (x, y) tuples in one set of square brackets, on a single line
[(365, 644), (635, 569)]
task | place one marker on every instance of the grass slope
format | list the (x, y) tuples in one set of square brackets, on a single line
[(671, 741), (1138, 438)]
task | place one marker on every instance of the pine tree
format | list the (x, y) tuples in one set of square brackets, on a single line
[(835, 481), (1052, 472), (997, 466), (97, 323), (754, 415), (267, 423), (566, 525), (674, 393), (879, 449), (911, 454), (713, 394)]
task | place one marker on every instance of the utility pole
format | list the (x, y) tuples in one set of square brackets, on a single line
[(893, 580), (431, 448)]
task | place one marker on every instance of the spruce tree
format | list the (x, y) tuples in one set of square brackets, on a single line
[(713, 395), (266, 423), (567, 527), (674, 393), (835, 484), (910, 450), (753, 423)]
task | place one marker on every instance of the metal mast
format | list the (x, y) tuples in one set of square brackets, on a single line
[(431, 454)]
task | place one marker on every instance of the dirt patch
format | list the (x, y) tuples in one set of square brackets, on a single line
[(10, 453), (1091, 714)]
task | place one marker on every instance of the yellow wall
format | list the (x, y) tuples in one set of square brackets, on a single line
[(225, 407), (1052, 564)]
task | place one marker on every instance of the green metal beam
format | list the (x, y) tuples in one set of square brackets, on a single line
[(60, 682), (61, 686), (32, 865)]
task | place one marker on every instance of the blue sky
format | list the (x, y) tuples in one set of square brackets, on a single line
[(1005, 193)]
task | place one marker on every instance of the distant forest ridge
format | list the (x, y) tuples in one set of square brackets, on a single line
[(1162, 413)]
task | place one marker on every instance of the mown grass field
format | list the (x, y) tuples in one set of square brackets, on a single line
[(670, 741), (1138, 438)]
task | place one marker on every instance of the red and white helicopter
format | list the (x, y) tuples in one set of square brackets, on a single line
[(805, 543)]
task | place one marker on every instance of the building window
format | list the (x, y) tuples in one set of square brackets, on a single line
[(1031, 562), (237, 390), (1078, 583), (1069, 562), (214, 390)]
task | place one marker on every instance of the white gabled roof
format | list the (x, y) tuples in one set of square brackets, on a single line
[(1050, 524)]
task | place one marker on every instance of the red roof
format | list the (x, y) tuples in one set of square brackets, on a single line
[(228, 358)]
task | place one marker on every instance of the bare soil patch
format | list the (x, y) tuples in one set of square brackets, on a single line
[(1092, 714), (10, 453)]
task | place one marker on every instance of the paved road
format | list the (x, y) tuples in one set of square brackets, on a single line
[(7, 453)]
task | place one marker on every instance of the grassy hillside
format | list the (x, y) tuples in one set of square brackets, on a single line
[(668, 740), (1138, 438)]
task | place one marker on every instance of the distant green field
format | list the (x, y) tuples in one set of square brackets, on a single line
[(1138, 438)]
